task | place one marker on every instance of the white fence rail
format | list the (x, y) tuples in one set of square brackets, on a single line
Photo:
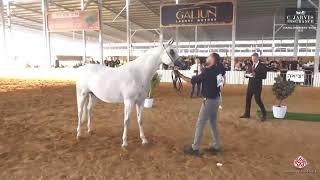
[(235, 77), (316, 80), (232, 77), (270, 78), (40, 73)]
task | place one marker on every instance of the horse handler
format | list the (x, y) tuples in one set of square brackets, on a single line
[(210, 105)]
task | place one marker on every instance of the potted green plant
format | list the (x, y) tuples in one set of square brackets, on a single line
[(148, 102), (282, 89)]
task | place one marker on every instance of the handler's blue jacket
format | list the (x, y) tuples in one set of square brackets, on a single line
[(208, 78)]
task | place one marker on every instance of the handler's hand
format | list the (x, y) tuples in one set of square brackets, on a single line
[(183, 77)]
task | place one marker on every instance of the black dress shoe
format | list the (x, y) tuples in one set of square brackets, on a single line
[(244, 116), (263, 118), (213, 151), (190, 151)]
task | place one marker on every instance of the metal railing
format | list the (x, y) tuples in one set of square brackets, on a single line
[(232, 77)]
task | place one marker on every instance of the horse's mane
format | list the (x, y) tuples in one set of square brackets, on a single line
[(141, 58)]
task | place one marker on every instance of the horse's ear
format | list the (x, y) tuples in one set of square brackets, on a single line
[(170, 42), (161, 39)]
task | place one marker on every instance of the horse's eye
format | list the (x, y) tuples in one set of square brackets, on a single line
[(172, 52)]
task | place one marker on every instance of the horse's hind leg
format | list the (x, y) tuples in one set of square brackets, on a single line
[(139, 109), (91, 102), (81, 99), (127, 110)]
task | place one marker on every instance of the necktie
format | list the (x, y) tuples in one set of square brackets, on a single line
[(254, 67)]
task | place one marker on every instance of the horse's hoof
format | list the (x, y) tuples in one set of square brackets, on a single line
[(220, 107), (78, 135), (144, 142), (89, 132), (124, 145)]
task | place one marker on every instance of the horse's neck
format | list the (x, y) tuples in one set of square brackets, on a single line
[(148, 64)]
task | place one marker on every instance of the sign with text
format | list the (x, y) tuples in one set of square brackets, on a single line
[(199, 14), (73, 21), (295, 76), (300, 16)]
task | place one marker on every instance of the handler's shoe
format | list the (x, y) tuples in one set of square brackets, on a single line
[(245, 116), (213, 151), (190, 151)]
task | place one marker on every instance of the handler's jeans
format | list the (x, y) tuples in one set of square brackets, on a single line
[(208, 111)]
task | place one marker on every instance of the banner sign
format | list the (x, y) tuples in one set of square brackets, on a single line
[(73, 21), (295, 76), (300, 16), (199, 14)]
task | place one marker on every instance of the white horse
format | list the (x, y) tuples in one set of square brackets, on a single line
[(128, 84)]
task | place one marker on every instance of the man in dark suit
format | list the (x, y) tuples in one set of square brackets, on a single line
[(256, 74)]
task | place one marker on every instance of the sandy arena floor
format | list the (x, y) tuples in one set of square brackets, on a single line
[(38, 137)]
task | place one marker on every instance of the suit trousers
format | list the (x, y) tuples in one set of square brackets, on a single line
[(256, 92)]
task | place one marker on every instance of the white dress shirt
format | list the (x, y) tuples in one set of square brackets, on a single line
[(194, 68), (255, 65)]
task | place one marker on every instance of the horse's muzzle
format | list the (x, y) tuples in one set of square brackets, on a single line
[(181, 64)]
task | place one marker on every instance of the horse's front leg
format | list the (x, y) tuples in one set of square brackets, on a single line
[(139, 108), (81, 98), (127, 110)]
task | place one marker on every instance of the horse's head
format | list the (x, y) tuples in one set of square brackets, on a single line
[(170, 54), (171, 57)]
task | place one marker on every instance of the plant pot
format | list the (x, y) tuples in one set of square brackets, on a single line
[(148, 102), (279, 111)]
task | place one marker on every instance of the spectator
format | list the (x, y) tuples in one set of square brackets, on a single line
[(238, 67), (117, 62), (105, 62), (196, 70)]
